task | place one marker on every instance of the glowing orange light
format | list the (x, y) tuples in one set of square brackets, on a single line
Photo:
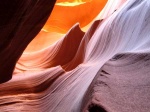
[(65, 14)]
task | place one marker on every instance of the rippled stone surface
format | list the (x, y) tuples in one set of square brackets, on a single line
[(102, 69)]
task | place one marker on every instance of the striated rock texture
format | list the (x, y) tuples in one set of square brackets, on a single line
[(105, 69)]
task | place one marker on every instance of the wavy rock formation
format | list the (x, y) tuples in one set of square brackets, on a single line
[(105, 69)]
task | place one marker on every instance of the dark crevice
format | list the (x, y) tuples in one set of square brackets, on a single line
[(116, 57), (10, 103), (105, 72), (96, 108)]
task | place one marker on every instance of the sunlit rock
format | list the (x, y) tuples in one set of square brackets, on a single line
[(102, 66)]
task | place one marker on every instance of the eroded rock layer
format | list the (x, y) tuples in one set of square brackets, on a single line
[(105, 69)]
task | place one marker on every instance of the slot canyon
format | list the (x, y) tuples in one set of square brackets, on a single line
[(75, 56)]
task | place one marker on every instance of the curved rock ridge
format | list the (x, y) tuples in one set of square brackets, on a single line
[(59, 53), (105, 69)]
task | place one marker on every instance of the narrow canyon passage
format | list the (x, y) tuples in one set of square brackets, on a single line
[(75, 56)]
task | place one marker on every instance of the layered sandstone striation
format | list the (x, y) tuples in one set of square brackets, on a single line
[(102, 66)]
